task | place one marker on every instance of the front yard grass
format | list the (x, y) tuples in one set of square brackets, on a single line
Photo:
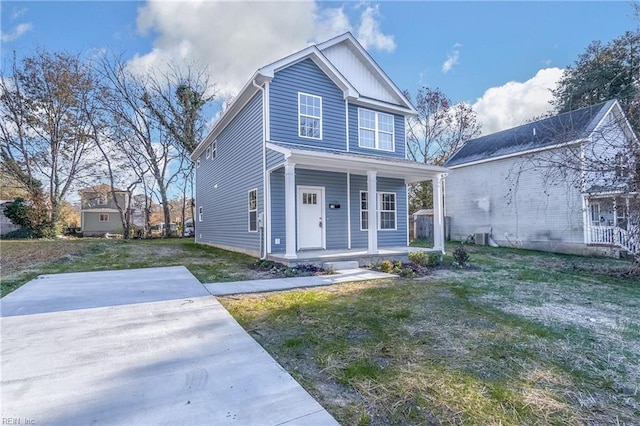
[(524, 338), (23, 260)]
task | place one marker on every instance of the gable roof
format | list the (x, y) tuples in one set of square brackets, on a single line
[(560, 129), (340, 70)]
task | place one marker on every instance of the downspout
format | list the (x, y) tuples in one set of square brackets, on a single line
[(264, 168)]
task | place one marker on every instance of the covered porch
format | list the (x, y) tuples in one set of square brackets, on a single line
[(607, 220), (351, 224)]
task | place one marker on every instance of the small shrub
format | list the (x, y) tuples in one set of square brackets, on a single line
[(461, 256), (419, 258), (385, 266), (407, 273), (434, 259)]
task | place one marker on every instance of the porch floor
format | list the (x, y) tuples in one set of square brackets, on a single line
[(319, 257)]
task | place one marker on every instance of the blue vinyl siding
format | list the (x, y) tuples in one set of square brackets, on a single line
[(399, 135), (335, 191), (223, 183), (306, 77), (386, 238), (274, 158)]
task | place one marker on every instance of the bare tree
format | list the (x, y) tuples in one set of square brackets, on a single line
[(434, 134), (44, 128), (138, 133), (177, 99)]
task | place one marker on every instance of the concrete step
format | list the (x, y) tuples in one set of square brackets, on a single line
[(341, 266)]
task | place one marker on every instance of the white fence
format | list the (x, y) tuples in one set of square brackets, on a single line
[(614, 236)]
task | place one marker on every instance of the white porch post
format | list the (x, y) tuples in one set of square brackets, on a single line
[(586, 219), (438, 214), (372, 206), (290, 209)]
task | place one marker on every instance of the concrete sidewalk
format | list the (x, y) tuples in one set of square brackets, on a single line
[(277, 284), (138, 347)]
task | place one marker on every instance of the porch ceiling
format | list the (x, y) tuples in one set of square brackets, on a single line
[(410, 171)]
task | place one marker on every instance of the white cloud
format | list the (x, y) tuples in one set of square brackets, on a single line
[(513, 103), (16, 13), (235, 38), (369, 33), (17, 32), (452, 58)]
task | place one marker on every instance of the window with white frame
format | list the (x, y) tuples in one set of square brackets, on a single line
[(214, 149), (387, 209), (621, 165), (309, 116), (198, 162), (364, 211), (200, 214), (375, 130), (208, 152), (253, 210), (104, 217)]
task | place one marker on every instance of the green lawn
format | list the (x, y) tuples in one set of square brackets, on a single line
[(23, 260), (522, 338)]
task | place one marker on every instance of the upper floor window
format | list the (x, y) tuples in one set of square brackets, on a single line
[(309, 116), (375, 130), (214, 149), (102, 199), (208, 152)]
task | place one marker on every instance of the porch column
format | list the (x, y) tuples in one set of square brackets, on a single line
[(586, 219), (438, 213), (372, 212), (290, 209)]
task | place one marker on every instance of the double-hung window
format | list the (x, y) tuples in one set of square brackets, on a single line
[(208, 152), (309, 116), (253, 210), (387, 209), (104, 217), (375, 130), (214, 149)]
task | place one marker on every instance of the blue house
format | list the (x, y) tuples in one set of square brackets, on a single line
[(308, 162)]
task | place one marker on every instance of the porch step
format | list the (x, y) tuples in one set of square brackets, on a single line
[(341, 266)]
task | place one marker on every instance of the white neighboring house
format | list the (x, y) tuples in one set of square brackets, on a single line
[(543, 186)]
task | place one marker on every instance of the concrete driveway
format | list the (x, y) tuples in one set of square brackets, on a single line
[(137, 347)]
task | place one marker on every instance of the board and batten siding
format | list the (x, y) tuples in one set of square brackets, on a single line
[(306, 77), (386, 238), (223, 183), (519, 206), (335, 192), (398, 133)]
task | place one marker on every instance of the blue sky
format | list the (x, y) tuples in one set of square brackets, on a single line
[(501, 57)]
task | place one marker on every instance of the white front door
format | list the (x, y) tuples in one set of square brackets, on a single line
[(310, 215)]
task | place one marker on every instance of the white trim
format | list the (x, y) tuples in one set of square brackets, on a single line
[(348, 210), (200, 213), (267, 211), (214, 149), (361, 211), (323, 229), (406, 206), (346, 123), (380, 194), (254, 210), (313, 117), (290, 210), (209, 151), (372, 233), (365, 55), (376, 130)]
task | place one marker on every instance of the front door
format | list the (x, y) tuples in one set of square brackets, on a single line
[(310, 215)]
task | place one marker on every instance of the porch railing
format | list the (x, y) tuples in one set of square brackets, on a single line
[(615, 236)]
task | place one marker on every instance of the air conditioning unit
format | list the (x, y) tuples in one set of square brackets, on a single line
[(481, 239)]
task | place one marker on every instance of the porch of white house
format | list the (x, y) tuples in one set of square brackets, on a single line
[(607, 222)]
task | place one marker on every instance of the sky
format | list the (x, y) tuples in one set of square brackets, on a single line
[(501, 57)]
